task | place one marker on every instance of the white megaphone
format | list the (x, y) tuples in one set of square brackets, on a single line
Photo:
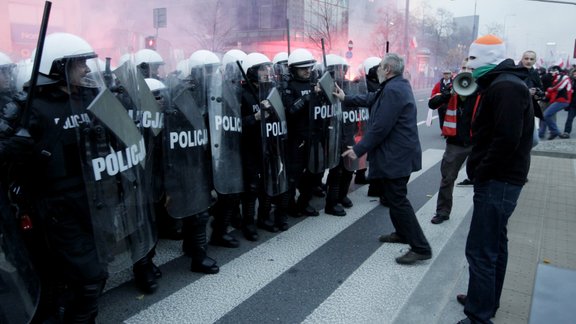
[(463, 84)]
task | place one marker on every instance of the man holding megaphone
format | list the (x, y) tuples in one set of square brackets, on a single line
[(459, 105)]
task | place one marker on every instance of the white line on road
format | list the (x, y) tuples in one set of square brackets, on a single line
[(211, 297)]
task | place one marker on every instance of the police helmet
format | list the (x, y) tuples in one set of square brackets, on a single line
[(370, 63), (301, 58), (59, 48), (203, 58), (281, 57), (252, 63), (232, 56), (148, 56)]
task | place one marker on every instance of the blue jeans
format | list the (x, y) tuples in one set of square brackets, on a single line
[(548, 117), (487, 247)]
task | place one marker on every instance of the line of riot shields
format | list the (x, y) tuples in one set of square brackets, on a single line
[(181, 142)]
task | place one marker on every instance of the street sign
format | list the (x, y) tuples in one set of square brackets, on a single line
[(160, 17), (349, 54)]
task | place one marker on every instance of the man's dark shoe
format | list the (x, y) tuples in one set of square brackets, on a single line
[(412, 257), (392, 238), (552, 136), (346, 202), (439, 219), (564, 135), (336, 210), (461, 298), (466, 182)]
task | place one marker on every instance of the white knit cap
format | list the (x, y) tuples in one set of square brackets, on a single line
[(486, 50)]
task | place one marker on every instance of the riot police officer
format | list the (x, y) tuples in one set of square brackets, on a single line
[(262, 146), (220, 104), (57, 182), (149, 62), (338, 181), (299, 98)]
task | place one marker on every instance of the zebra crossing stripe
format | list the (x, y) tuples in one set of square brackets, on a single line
[(237, 280), (378, 289)]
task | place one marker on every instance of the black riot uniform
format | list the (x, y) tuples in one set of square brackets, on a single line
[(298, 98), (57, 186), (185, 113), (252, 169)]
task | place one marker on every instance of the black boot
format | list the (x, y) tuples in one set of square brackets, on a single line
[(248, 214), (194, 244), (83, 306), (224, 213), (280, 214), (264, 222), (332, 207), (144, 276)]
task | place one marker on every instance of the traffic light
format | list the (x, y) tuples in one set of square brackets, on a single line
[(151, 42)]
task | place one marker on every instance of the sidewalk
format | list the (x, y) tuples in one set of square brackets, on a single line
[(542, 228)]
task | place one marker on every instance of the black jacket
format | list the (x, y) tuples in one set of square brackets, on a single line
[(502, 127)]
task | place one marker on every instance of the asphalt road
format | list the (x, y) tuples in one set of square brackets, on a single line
[(324, 269)]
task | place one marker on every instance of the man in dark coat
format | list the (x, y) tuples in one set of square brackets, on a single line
[(394, 152), (502, 131)]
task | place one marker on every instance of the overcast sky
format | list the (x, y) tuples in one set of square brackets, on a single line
[(528, 24)]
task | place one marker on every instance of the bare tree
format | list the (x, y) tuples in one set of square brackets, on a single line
[(325, 23), (389, 29), (212, 28)]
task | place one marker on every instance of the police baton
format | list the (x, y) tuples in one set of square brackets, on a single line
[(35, 70)]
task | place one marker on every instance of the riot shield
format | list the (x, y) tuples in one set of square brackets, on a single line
[(113, 156), (274, 136), (148, 115), (186, 154), (19, 285), (355, 120), (146, 111), (325, 120), (225, 120)]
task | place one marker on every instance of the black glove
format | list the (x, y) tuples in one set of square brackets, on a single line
[(299, 103)]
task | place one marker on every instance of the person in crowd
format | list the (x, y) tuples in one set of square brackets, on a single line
[(444, 86), (502, 132), (559, 96), (299, 98), (458, 146), (571, 109), (533, 81), (58, 186), (393, 148)]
